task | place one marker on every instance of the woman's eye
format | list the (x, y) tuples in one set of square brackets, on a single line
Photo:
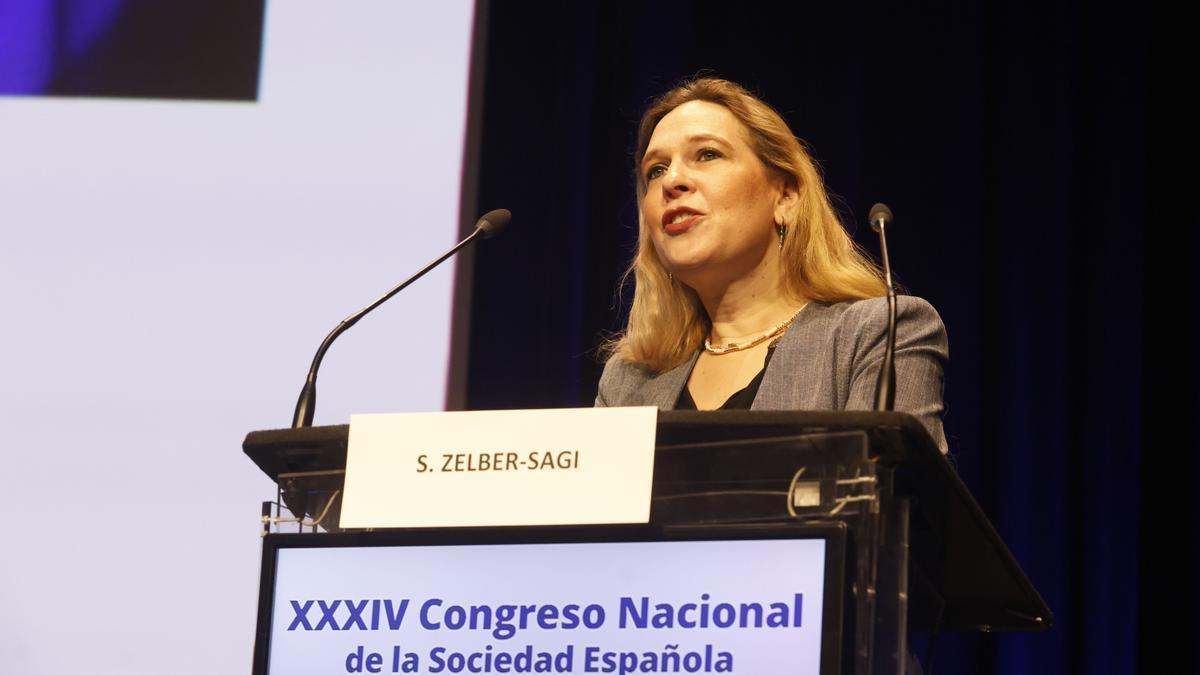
[(708, 153), (655, 171)]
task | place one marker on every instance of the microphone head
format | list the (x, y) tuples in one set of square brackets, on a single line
[(493, 222), (880, 215)]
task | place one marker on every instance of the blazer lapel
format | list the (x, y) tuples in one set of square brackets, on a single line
[(663, 391), (788, 372)]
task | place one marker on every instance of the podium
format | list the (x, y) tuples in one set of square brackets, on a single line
[(908, 546)]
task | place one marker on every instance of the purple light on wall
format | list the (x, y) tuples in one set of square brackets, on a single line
[(86, 20), (189, 49), (26, 45), (38, 36)]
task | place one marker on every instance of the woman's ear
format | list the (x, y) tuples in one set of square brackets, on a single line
[(786, 200)]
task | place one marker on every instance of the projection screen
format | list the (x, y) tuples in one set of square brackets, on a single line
[(170, 263)]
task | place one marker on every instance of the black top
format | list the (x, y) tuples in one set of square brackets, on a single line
[(741, 399)]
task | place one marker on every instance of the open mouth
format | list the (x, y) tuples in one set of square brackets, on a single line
[(678, 221)]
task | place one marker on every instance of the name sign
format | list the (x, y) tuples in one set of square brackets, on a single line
[(500, 467)]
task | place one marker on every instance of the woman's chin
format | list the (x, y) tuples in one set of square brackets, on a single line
[(686, 268), (682, 256)]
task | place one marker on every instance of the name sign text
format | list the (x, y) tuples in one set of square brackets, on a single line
[(500, 467)]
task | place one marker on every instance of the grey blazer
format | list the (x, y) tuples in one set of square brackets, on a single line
[(827, 360)]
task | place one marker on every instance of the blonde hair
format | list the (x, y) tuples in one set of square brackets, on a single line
[(819, 260)]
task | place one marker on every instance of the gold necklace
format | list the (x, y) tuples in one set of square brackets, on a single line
[(739, 346)]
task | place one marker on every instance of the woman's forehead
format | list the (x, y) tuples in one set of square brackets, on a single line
[(696, 120)]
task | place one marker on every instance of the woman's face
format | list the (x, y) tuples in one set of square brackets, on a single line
[(710, 204)]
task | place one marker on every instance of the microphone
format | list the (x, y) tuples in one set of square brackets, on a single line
[(880, 217), (493, 223), (885, 386), (487, 227)]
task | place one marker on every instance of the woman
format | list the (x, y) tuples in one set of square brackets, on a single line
[(749, 293)]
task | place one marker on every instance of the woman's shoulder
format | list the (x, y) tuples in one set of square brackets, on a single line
[(873, 311), (859, 320)]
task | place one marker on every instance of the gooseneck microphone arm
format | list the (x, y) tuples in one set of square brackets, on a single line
[(885, 386), (487, 226)]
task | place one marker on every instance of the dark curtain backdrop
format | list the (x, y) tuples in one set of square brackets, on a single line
[(1038, 159)]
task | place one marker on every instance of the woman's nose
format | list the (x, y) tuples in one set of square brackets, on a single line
[(677, 181)]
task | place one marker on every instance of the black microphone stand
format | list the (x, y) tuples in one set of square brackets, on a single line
[(885, 386), (306, 405)]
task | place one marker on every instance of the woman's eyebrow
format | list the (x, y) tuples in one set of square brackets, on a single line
[(708, 137), (653, 153)]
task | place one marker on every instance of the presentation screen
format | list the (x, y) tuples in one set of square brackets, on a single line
[(192, 195), (609, 600)]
